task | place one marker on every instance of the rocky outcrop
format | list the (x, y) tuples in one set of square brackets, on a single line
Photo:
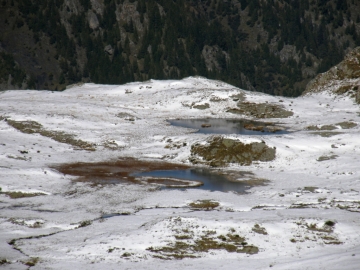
[(109, 49), (219, 151), (261, 110), (341, 79), (93, 20)]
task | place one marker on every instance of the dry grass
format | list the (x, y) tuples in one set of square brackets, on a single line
[(192, 242), (20, 195), (32, 262), (258, 229), (204, 205), (32, 127), (181, 249), (321, 233)]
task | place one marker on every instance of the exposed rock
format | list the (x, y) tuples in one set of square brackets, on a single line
[(258, 229), (109, 49), (202, 106), (98, 6), (266, 128), (211, 55), (341, 125), (205, 125), (128, 13), (217, 99), (327, 134), (343, 78), (324, 127), (219, 151), (347, 125), (289, 52), (127, 116), (261, 110), (324, 158), (238, 97), (93, 20), (252, 127)]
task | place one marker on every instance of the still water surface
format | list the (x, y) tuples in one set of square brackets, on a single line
[(210, 180), (223, 126)]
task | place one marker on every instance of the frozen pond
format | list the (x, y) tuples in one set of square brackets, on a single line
[(209, 180), (229, 126), (162, 174)]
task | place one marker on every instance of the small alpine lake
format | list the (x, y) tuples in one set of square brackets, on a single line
[(191, 178), (229, 126)]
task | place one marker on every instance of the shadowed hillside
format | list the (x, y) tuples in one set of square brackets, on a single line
[(273, 46)]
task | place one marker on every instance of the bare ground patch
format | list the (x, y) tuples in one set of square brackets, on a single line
[(337, 126), (204, 205), (190, 242), (32, 127), (20, 194), (320, 232)]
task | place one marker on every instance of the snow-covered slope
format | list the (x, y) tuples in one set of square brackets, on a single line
[(305, 217)]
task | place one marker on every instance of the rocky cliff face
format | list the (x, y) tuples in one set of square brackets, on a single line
[(341, 79)]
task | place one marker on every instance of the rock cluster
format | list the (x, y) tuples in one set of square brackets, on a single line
[(261, 110), (343, 78), (220, 151)]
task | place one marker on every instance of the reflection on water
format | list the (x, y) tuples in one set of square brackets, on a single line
[(226, 126), (158, 174), (211, 181)]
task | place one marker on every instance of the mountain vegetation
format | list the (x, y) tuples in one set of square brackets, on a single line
[(272, 46)]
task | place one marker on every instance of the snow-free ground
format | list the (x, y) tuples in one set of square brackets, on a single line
[(306, 217)]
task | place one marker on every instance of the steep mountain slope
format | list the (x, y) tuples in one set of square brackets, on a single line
[(273, 46), (342, 79)]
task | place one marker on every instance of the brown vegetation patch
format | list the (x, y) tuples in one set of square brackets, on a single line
[(343, 89), (204, 244), (317, 233), (193, 238), (118, 171), (32, 262), (4, 261), (20, 195), (204, 205), (32, 127), (258, 229), (310, 189), (351, 206), (202, 106), (22, 222), (343, 125), (262, 127), (327, 134), (347, 125), (324, 127), (324, 158)]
